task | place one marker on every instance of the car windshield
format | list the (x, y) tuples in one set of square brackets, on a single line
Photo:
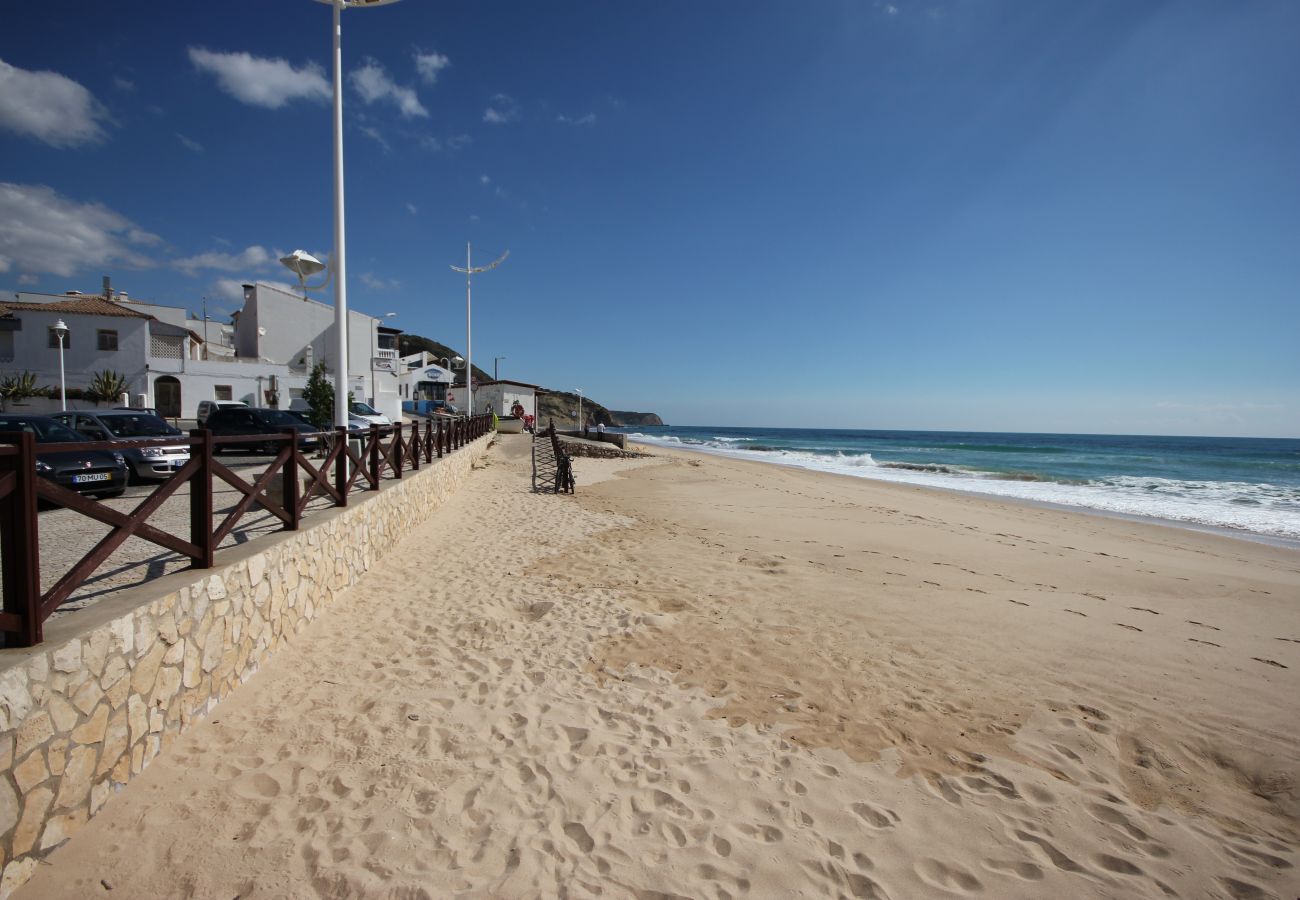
[(47, 431), (279, 417), (131, 426), (364, 409)]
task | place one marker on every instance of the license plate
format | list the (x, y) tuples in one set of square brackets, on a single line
[(93, 476)]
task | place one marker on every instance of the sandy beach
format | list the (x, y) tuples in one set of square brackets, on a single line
[(701, 677)]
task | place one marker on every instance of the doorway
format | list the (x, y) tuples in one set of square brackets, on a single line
[(167, 396)]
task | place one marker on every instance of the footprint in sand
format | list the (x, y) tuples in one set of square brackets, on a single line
[(1206, 643), (1201, 624), (1016, 602), (1269, 662), (1144, 609), (1129, 627), (1077, 613)]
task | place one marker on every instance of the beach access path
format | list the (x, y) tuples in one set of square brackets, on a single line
[(709, 678)]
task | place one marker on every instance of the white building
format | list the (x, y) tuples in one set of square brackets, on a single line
[(263, 359), (502, 396), (280, 327)]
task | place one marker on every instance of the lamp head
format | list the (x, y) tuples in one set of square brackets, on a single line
[(458, 362), (302, 264), (60, 329)]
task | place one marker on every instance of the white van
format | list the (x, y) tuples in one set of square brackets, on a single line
[(208, 407)]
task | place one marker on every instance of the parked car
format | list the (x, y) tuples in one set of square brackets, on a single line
[(369, 413), (208, 407), (254, 420), (130, 427), (355, 423), (147, 410), (99, 473)]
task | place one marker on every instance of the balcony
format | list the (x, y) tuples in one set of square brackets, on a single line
[(382, 353)]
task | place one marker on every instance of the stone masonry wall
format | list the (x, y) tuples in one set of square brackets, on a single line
[(115, 684)]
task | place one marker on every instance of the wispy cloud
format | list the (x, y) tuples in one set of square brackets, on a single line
[(49, 107), (123, 84), (428, 65), (501, 109), (374, 86), (483, 179), (249, 259), (375, 283), (41, 231), (189, 143), (412, 208), (588, 119), (261, 81), (459, 141), (377, 136), (231, 292)]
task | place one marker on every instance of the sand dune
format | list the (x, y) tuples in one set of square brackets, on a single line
[(702, 678)]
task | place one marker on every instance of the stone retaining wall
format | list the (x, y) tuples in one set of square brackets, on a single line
[(115, 684), (595, 450)]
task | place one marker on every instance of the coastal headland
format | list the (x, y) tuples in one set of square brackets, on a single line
[(701, 677)]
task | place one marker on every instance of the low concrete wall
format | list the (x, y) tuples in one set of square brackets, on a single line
[(115, 684)]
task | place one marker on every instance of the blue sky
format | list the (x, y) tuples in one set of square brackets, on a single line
[(956, 215)]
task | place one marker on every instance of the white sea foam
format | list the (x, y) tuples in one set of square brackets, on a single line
[(1263, 509)]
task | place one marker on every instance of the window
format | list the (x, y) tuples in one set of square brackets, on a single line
[(54, 340), (107, 339), (224, 392)]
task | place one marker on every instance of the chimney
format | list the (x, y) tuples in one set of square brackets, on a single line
[(121, 297), (108, 288)]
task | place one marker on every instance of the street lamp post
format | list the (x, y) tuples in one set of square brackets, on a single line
[(578, 425), (61, 330), (495, 360), (469, 272), (340, 251)]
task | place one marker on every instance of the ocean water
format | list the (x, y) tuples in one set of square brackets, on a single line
[(1247, 485)]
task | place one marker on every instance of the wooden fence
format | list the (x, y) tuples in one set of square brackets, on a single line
[(382, 452)]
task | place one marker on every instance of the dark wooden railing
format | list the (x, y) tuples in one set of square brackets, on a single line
[(381, 452)]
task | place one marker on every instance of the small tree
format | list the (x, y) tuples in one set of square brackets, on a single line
[(319, 395), (105, 387), (17, 388)]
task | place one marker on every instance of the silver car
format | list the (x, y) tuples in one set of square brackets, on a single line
[(126, 427)]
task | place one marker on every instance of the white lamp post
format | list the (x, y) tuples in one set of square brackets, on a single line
[(470, 272), (374, 348), (495, 360), (578, 425), (339, 258), (61, 330)]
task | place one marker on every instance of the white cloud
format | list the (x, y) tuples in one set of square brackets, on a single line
[(231, 291), (412, 208), (483, 179), (28, 279), (374, 86), (254, 257), (459, 141), (429, 142), (377, 136), (42, 231), (503, 109), (260, 81), (375, 283), (429, 65), (189, 143), (588, 119), (123, 84), (49, 107)]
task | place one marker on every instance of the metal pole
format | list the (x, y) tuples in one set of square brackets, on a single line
[(469, 346), (63, 388), (340, 250)]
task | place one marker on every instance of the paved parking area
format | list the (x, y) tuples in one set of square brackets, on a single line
[(67, 536)]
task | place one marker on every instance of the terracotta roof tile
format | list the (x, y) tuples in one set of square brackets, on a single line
[(73, 306)]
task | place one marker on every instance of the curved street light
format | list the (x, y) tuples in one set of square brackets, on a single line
[(470, 271)]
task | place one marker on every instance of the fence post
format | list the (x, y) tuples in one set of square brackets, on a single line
[(201, 501), (20, 551), (292, 486), (398, 449), (427, 443), (374, 457), (415, 445), (438, 438), (341, 464)]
